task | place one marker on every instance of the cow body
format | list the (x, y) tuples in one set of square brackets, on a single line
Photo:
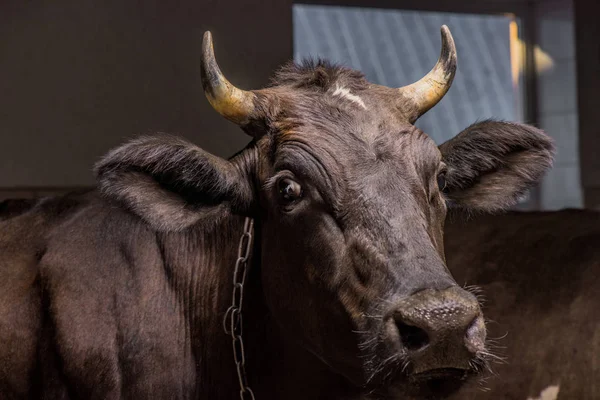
[(121, 293), (97, 325), (540, 274), (95, 305)]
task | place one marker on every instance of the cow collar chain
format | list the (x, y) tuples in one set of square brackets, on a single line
[(232, 322)]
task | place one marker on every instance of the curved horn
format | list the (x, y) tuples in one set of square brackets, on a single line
[(430, 89), (234, 104)]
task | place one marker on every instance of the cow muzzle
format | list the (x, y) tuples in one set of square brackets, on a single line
[(440, 332)]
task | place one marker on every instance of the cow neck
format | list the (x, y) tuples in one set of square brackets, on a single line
[(200, 264), (274, 364)]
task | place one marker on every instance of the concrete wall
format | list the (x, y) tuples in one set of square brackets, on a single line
[(78, 77)]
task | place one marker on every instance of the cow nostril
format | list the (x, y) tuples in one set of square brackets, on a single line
[(412, 337)]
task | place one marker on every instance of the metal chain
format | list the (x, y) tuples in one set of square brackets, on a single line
[(232, 322)]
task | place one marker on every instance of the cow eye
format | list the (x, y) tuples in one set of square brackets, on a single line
[(441, 181), (289, 190)]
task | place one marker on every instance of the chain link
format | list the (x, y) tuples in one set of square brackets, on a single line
[(232, 322)]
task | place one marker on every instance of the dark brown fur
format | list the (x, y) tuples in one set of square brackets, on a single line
[(122, 295), (12, 207), (540, 274)]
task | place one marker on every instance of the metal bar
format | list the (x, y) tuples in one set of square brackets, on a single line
[(531, 93)]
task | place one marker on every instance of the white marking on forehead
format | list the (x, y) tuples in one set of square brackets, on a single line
[(344, 92), (550, 393)]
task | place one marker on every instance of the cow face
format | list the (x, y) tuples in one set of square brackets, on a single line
[(350, 200)]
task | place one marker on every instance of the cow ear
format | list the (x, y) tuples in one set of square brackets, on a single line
[(173, 184), (491, 164)]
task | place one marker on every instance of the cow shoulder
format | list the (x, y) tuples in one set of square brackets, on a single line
[(24, 227), (114, 316)]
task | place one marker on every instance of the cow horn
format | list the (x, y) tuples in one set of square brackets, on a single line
[(234, 104), (430, 89)]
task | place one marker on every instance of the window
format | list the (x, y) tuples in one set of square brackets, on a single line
[(397, 47)]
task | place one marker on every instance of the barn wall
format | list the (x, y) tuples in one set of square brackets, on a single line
[(81, 76)]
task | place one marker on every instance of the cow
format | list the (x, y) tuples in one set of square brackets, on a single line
[(540, 275), (310, 265)]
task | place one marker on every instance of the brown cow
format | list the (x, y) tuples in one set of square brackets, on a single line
[(123, 296), (540, 273)]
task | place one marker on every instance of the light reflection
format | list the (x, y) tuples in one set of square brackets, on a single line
[(542, 60)]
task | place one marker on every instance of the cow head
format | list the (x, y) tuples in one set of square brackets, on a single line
[(350, 200)]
